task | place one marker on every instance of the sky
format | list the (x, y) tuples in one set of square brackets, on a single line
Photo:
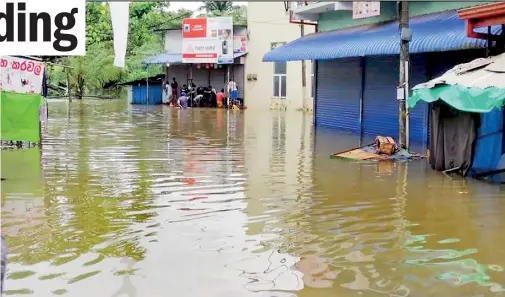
[(174, 6)]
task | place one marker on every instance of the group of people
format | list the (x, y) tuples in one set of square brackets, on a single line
[(193, 96)]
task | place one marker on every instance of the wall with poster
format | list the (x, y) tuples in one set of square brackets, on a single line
[(362, 10), (207, 40), (239, 44), (20, 75)]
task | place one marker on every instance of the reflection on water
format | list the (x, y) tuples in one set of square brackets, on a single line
[(144, 201)]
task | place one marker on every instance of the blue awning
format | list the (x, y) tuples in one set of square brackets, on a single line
[(171, 58), (437, 32)]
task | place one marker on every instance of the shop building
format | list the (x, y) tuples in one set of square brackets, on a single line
[(148, 91), (200, 74), (275, 85), (357, 62)]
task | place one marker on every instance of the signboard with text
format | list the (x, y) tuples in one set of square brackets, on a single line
[(207, 40), (20, 75), (361, 10), (239, 44)]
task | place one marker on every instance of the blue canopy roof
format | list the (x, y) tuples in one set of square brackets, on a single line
[(437, 32), (166, 58), (173, 58)]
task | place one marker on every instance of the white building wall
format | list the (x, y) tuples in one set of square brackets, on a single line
[(268, 22)]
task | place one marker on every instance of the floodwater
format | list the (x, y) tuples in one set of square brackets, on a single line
[(150, 201)]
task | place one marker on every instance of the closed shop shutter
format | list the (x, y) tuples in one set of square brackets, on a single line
[(418, 116), (238, 77), (139, 94), (380, 105), (179, 72), (338, 94), (201, 77), (155, 95), (218, 78)]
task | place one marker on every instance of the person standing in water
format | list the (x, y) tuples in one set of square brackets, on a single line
[(232, 91), (220, 99), (174, 86)]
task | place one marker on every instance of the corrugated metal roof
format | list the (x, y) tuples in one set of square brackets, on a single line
[(171, 58), (437, 32), (480, 73), (165, 58), (157, 79)]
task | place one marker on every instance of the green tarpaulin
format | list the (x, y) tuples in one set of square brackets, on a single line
[(461, 97), (20, 116)]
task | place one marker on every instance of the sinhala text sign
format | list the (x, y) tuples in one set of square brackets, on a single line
[(207, 40), (42, 27), (20, 75), (361, 10)]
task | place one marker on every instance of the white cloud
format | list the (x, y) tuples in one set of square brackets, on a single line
[(174, 6)]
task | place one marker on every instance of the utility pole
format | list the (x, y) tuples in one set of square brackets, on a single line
[(304, 70), (403, 19)]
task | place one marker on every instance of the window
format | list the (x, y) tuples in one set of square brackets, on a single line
[(313, 79), (280, 69)]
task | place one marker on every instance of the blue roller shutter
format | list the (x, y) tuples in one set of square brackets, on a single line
[(139, 94), (380, 106), (155, 95), (418, 116), (337, 103)]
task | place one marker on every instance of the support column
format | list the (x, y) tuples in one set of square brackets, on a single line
[(304, 75), (403, 83)]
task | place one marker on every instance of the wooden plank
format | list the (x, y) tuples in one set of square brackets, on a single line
[(358, 154)]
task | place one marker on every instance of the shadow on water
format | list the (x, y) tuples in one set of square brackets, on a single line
[(143, 200)]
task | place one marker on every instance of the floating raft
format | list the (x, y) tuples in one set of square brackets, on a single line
[(370, 153)]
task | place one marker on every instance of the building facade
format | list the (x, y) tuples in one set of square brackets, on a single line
[(274, 85), (357, 62), (200, 74)]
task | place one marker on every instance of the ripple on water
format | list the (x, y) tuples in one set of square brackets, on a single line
[(244, 204)]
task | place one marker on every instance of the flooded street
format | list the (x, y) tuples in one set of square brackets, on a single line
[(149, 201)]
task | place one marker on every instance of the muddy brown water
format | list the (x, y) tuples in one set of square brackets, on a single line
[(150, 201)]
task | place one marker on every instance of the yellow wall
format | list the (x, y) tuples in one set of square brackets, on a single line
[(268, 22)]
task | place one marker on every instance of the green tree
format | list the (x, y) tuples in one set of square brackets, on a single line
[(221, 6), (92, 71), (225, 8)]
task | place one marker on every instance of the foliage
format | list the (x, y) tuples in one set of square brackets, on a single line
[(90, 72), (221, 6), (225, 8)]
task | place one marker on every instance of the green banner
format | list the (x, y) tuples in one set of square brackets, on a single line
[(20, 116)]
